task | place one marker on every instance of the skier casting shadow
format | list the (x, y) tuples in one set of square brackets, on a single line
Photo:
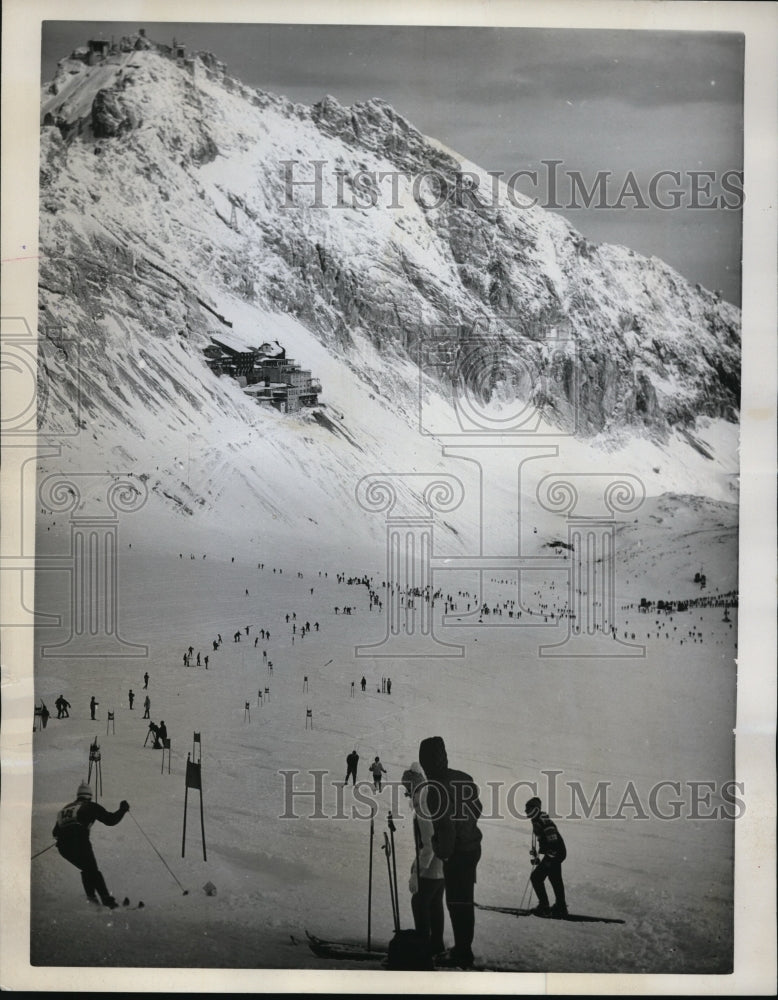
[(454, 806), (71, 832), (351, 767), (551, 845)]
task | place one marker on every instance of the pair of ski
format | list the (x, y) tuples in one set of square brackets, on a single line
[(126, 905), (516, 911), (344, 950)]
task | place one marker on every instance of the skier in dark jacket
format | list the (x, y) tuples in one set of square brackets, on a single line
[(551, 845), (71, 832), (351, 767), (454, 807), (93, 703)]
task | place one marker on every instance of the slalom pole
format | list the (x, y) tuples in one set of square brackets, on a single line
[(186, 891), (370, 877)]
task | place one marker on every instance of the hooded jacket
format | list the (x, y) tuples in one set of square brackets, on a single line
[(429, 865), (452, 802)]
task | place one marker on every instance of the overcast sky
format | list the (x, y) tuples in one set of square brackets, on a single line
[(509, 98)]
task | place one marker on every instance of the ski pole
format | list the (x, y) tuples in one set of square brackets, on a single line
[(186, 891), (526, 887), (370, 879), (394, 869), (391, 886), (44, 850)]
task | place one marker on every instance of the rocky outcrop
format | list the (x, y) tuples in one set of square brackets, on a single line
[(595, 335), (112, 115)]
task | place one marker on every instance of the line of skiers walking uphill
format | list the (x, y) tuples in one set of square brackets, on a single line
[(447, 840)]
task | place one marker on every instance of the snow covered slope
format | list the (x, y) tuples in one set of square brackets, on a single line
[(163, 224), (142, 163)]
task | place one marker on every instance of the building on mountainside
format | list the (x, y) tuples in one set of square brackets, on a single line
[(265, 372)]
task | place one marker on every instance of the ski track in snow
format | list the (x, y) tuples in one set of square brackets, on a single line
[(133, 266), (642, 720)]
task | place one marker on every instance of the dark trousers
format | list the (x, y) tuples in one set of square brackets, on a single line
[(551, 870), (459, 875), (79, 853), (351, 774), (427, 906)]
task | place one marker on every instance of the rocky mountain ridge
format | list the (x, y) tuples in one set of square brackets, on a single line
[(169, 213)]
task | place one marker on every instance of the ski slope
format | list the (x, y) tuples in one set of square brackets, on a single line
[(507, 717)]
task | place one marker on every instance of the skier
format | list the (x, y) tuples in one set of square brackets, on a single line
[(351, 767), (146, 707), (388, 685), (551, 845), (162, 731), (377, 769), (452, 801), (363, 684), (426, 883), (205, 661), (71, 832), (145, 680), (130, 697), (93, 703), (62, 707)]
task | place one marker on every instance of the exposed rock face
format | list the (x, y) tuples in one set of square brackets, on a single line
[(112, 115), (595, 335)]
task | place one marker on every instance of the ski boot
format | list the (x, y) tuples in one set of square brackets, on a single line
[(559, 911), (452, 959), (541, 910)]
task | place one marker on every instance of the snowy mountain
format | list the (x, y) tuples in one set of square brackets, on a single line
[(164, 222), (164, 228)]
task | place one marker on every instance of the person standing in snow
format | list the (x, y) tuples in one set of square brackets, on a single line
[(162, 732), (453, 804), (71, 832), (377, 769), (363, 684), (93, 703), (426, 882), (551, 845), (130, 697), (351, 767), (62, 707), (147, 707), (145, 680)]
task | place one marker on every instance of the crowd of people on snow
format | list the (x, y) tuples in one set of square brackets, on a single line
[(445, 801)]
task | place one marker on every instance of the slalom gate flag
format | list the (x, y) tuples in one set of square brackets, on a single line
[(193, 775)]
